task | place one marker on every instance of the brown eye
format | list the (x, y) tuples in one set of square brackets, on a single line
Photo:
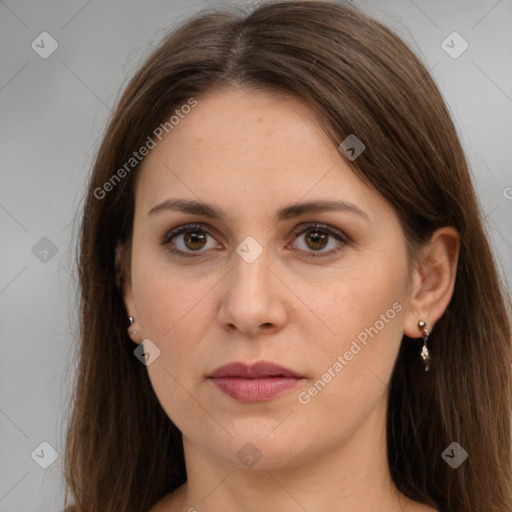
[(316, 240), (187, 240), (318, 237), (194, 240)]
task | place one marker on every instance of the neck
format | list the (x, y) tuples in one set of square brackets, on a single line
[(353, 475)]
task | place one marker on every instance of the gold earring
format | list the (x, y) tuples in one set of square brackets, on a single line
[(425, 355)]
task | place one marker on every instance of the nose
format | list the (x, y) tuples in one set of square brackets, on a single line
[(251, 300)]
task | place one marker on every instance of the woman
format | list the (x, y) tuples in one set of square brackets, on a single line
[(288, 298)]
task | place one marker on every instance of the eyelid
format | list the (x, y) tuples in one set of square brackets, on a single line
[(187, 227), (299, 230), (331, 231), (184, 229), (321, 227)]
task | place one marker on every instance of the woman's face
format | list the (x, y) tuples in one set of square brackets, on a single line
[(326, 302)]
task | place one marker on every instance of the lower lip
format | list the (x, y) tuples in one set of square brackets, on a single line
[(254, 390)]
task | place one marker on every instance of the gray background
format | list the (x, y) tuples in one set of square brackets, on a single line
[(53, 112)]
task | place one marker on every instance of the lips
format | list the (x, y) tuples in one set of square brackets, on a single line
[(258, 370), (254, 383)]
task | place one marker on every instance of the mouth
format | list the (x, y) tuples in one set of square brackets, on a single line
[(254, 383), (259, 370)]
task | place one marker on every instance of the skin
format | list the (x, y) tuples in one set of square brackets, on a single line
[(249, 154)]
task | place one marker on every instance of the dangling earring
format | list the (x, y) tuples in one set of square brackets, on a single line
[(132, 320), (425, 355)]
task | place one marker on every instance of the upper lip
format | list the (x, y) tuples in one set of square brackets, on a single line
[(256, 370)]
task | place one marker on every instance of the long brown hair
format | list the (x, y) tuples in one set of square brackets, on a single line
[(123, 452)]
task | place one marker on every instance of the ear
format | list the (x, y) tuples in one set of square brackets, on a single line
[(433, 280), (123, 282)]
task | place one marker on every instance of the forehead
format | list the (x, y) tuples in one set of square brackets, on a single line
[(233, 125), (259, 147)]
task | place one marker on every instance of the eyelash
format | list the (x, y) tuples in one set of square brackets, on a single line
[(304, 229)]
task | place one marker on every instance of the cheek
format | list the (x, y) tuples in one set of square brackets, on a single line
[(354, 365), (173, 316), (173, 312), (168, 298), (364, 312), (177, 327)]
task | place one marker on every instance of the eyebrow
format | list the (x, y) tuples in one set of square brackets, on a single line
[(284, 213)]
